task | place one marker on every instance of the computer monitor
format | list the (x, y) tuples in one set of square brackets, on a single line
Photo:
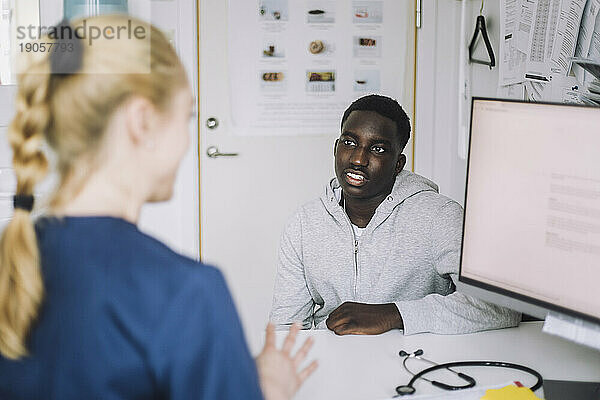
[(531, 234)]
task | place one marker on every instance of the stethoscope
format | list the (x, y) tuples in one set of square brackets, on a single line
[(410, 389)]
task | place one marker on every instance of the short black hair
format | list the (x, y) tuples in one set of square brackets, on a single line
[(386, 107)]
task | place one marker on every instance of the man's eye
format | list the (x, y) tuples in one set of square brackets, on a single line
[(378, 149), (348, 142)]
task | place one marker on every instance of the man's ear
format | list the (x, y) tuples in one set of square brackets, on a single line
[(140, 116), (400, 163), (335, 146)]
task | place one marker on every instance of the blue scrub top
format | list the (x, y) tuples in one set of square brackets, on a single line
[(125, 317)]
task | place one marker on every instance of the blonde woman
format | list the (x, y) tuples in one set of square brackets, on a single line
[(90, 307)]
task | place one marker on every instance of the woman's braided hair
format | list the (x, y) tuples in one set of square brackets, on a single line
[(69, 110)]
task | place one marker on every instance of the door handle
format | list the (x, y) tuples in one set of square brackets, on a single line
[(213, 152)]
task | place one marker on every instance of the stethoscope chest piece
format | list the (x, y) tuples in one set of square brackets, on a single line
[(405, 390)]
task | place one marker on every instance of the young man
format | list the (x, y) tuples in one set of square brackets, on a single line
[(380, 249)]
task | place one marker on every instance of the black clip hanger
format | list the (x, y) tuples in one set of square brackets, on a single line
[(480, 27)]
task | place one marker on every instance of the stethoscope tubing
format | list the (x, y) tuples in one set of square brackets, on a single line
[(464, 376), (498, 364)]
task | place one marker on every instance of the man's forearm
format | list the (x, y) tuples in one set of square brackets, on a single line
[(364, 319)]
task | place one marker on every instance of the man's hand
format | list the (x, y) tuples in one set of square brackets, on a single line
[(364, 319), (278, 369)]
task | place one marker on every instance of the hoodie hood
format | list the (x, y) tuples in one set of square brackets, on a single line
[(407, 184)]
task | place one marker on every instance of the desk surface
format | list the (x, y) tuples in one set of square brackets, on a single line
[(368, 367)]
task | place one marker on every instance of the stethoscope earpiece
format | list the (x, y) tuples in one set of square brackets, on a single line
[(417, 353)]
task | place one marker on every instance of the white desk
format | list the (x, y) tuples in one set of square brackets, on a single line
[(369, 368)]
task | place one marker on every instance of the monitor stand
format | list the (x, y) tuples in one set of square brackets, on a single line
[(571, 390), (573, 329), (578, 331)]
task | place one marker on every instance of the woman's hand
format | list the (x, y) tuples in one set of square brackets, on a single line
[(278, 369)]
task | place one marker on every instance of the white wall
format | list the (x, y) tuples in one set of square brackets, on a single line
[(436, 131), (436, 125), (175, 222)]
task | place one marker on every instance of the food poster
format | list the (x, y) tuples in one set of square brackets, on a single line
[(294, 66)]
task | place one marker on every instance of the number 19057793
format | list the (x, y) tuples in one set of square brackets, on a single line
[(45, 47)]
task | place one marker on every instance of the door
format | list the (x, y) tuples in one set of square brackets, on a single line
[(176, 222), (246, 199)]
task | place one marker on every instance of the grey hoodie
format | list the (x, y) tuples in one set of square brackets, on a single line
[(408, 255)]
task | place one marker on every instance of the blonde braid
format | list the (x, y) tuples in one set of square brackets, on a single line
[(21, 284), (70, 113)]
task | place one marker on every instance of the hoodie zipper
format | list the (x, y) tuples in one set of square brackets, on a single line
[(355, 263), (355, 242)]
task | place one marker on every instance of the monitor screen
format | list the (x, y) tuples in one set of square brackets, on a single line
[(532, 207)]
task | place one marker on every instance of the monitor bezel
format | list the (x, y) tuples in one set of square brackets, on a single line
[(487, 286)]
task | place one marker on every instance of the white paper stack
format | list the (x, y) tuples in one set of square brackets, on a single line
[(591, 95), (591, 90)]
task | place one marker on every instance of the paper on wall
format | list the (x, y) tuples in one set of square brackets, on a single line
[(564, 89), (589, 23), (536, 91), (594, 51), (538, 49), (525, 23), (512, 61), (515, 91), (294, 66), (553, 37), (571, 12), (560, 88)]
